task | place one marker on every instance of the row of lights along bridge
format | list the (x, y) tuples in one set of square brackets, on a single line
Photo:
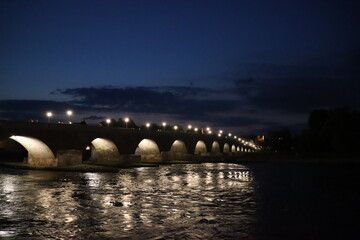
[(69, 113)]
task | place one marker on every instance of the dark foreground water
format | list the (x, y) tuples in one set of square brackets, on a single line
[(203, 201)]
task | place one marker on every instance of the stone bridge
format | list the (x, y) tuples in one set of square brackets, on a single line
[(50, 144)]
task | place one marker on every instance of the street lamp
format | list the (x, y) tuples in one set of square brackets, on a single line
[(175, 127), (220, 131), (126, 121), (208, 129), (49, 115), (229, 134), (219, 134), (164, 125), (147, 125), (108, 121), (196, 129), (189, 127), (69, 113)]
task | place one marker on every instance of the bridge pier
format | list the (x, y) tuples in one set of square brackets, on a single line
[(126, 159), (175, 156), (151, 158), (68, 157)]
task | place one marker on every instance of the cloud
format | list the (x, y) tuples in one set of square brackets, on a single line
[(93, 117), (188, 101), (317, 83), (202, 106), (263, 96), (32, 109)]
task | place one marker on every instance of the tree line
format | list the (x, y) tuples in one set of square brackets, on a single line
[(334, 131)]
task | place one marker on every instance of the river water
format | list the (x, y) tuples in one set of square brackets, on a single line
[(184, 201)]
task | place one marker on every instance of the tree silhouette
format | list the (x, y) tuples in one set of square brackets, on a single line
[(333, 131), (279, 141)]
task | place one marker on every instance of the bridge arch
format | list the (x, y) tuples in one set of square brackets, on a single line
[(200, 148), (148, 150), (39, 154), (104, 150), (178, 146), (215, 148), (178, 151), (226, 148), (238, 149), (233, 148)]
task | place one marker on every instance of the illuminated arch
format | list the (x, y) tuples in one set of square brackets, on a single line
[(148, 150), (178, 147), (39, 154), (238, 149), (226, 148), (215, 148), (233, 148), (200, 148), (242, 149), (104, 150)]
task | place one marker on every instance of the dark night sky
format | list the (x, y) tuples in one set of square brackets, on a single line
[(243, 66)]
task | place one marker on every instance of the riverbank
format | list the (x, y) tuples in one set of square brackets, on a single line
[(267, 157)]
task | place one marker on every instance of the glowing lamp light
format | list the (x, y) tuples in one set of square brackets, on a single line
[(207, 129), (229, 134), (147, 125), (69, 113), (108, 121), (189, 126), (175, 127), (49, 115), (196, 129), (221, 131), (209, 132), (219, 135), (126, 121)]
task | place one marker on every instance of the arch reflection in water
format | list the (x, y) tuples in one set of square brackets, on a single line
[(153, 202)]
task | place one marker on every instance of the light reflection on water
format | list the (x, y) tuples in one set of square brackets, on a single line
[(179, 201)]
